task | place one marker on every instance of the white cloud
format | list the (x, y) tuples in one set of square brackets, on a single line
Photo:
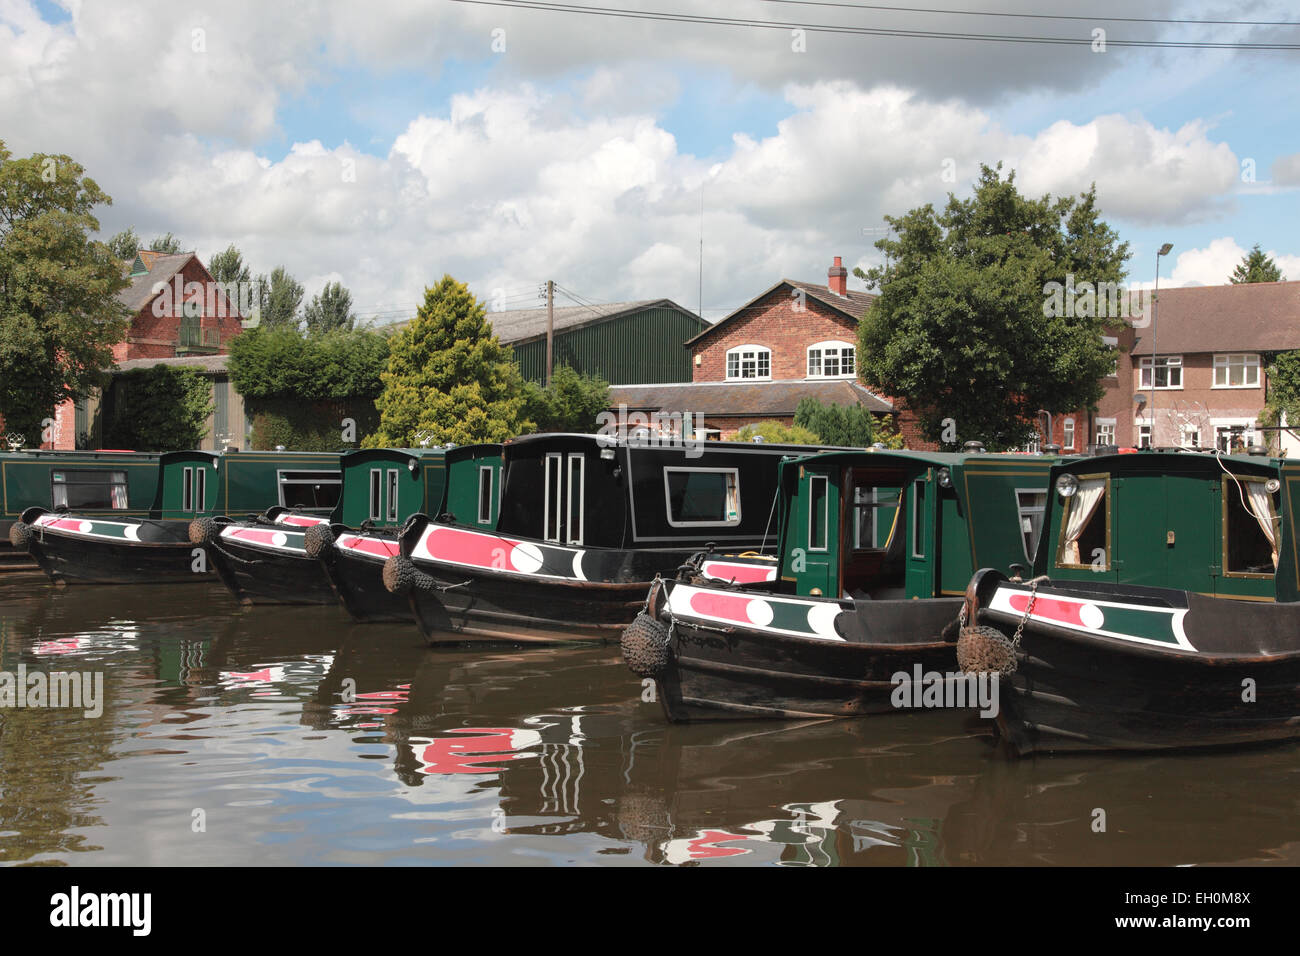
[(1213, 264)]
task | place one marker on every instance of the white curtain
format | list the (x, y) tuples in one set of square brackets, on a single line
[(1086, 499), (1261, 506)]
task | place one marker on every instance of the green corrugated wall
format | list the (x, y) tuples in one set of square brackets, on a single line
[(641, 347)]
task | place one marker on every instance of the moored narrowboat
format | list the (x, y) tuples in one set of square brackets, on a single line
[(875, 549), (289, 556), (1163, 611), (94, 548), (586, 523), (107, 483)]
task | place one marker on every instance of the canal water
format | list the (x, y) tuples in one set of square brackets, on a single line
[(278, 735)]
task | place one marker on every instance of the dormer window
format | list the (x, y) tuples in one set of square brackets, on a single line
[(749, 361), (832, 360)]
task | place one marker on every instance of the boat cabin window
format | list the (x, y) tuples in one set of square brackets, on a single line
[(314, 489), (392, 494), (702, 497), (918, 519), (76, 489), (1250, 527), (376, 494), (1031, 504), (1085, 538), (194, 489), (187, 490), (577, 497), (485, 494), (817, 512)]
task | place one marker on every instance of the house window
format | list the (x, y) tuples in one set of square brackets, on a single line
[(1233, 435), (831, 360), (1112, 344), (1189, 436), (749, 361), (705, 497), (1105, 431), (1236, 371), (1069, 434), (1168, 370), (1144, 436)]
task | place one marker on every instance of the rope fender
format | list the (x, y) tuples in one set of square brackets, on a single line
[(20, 535), (318, 541), (401, 576), (204, 531), (645, 646)]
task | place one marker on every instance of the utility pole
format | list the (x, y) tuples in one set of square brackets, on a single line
[(550, 328)]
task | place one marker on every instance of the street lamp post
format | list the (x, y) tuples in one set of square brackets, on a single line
[(1155, 354)]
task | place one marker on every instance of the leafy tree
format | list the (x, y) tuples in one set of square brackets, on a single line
[(168, 245), (159, 409), (449, 379), (125, 245), (228, 266), (964, 328), (330, 310), (279, 363), (278, 298), (569, 404), (59, 315), (778, 433), (1255, 266), (849, 425), (1283, 393)]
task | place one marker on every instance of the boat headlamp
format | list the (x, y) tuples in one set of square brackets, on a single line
[(945, 478), (1272, 486), (1067, 485)]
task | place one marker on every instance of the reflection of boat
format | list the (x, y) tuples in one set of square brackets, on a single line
[(1164, 613), (279, 559), (94, 548), (875, 547), (586, 524)]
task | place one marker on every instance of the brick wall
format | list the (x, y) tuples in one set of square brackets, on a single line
[(156, 335), (781, 322)]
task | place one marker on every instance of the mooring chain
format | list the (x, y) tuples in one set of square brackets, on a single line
[(1029, 609)]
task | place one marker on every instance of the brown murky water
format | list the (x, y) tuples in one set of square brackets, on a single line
[(291, 736)]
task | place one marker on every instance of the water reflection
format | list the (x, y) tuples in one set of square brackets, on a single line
[(306, 739)]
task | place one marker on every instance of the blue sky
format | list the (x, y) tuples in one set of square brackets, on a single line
[(386, 143)]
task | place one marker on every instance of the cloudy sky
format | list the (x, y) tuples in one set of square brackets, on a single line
[(386, 143)]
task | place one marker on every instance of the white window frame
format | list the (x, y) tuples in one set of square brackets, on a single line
[(376, 494), (918, 519), (753, 352), (1106, 425), (839, 348), (1170, 362), (485, 470), (1226, 423), (826, 513), (1029, 511), (1183, 432), (200, 489), (187, 490), (725, 523), (1067, 433), (390, 505), (558, 459), (322, 478), (1223, 362), (1112, 343), (579, 459), (1141, 427)]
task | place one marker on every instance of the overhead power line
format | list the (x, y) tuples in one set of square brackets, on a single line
[(848, 30), (887, 8)]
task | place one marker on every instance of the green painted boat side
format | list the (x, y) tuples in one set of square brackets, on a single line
[(385, 486), (199, 483), (29, 478)]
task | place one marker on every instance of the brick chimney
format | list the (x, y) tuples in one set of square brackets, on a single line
[(837, 278)]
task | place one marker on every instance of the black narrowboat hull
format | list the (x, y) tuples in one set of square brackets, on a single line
[(746, 653), (91, 550), (1110, 667), (355, 566), (490, 586), (267, 562)]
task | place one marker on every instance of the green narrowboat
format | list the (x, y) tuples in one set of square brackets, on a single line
[(875, 548), (92, 547), (108, 483), (290, 557), (1164, 610)]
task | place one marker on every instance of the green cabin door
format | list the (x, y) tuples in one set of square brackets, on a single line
[(919, 574), (1162, 532), (819, 534)]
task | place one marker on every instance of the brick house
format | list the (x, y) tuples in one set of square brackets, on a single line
[(791, 341), (1201, 362), (177, 310)]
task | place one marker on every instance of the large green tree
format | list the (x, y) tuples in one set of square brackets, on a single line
[(330, 310), (964, 330), (59, 315), (168, 245), (125, 245), (277, 299), (228, 266), (1255, 266), (449, 379)]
